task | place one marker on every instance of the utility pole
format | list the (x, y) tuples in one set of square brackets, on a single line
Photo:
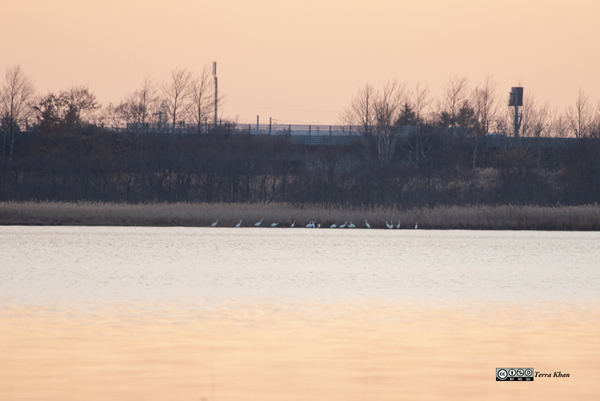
[(216, 97), (516, 100)]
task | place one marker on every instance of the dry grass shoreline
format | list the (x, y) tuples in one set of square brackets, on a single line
[(560, 218)]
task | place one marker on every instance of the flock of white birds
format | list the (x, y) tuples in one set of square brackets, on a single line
[(314, 224)]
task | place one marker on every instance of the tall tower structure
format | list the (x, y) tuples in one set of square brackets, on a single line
[(516, 100)]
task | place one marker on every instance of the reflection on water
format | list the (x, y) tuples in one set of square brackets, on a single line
[(192, 314), (298, 352)]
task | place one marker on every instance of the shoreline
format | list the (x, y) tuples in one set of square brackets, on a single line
[(504, 217)]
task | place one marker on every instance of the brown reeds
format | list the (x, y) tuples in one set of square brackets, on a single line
[(506, 217)]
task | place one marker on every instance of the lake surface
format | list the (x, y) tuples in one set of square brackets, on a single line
[(284, 314)]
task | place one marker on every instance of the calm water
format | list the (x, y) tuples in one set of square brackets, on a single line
[(230, 314)]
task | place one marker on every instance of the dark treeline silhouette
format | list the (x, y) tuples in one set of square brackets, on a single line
[(406, 150), (426, 165)]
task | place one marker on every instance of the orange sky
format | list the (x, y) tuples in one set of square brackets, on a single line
[(302, 61)]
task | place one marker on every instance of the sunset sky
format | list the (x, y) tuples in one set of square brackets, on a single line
[(302, 61)]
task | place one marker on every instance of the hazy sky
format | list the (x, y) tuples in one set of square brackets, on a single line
[(303, 61)]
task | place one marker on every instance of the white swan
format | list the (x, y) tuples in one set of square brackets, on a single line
[(416, 226), (215, 223), (311, 224), (274, 224), (343, 225), (239, 224), (318, 225), (293, 223), (367, 224), (332, 226), (389, 225), (398, 226), (258, 224), (351, 225)]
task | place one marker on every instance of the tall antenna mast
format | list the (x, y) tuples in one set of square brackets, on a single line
[(216, 97)]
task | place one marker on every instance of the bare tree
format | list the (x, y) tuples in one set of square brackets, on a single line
[(485, 105), (388, 107), (580, 117), (485, 108), (177, 93), (420, 99), (374, 115), (360, 115), (79, 103), (536, 120), (202, 97), (560, 126), (15, 96), (595, 129), (138, 107), (144, 102), (112, 116), (455, 96)]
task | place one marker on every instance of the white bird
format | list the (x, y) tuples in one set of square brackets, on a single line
[(398, 226), (351, 225), (274, 224), (416, 226), (389, 225), (215, 223), (367, 224), (332, 226), (258, 224), (343, 225), (239, 224), (293, 223), (318, 225)]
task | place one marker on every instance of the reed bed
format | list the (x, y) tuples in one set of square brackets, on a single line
[(504, 217)]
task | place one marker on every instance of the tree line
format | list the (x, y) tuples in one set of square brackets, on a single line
[(188, 98), (414, 151)]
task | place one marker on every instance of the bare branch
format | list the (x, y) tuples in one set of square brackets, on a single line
[(202, 99), (485, 105), (16, 95), (177, 93), (420, 99), (580, 117), (455, 95)]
